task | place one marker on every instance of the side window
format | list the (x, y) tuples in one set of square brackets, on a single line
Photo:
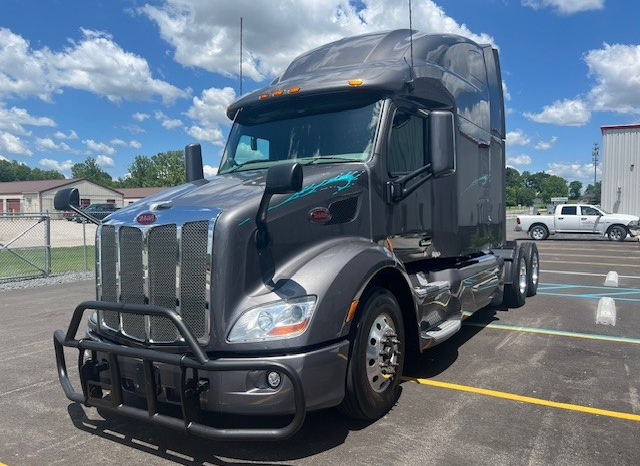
[(569, 210), (252, 148), (589, 211), (406, 144)]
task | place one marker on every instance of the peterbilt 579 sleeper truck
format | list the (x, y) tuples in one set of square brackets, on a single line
[(357, 215)]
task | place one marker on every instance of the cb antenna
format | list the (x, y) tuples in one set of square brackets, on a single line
[(240, 55), (410, 65), (411, 34)]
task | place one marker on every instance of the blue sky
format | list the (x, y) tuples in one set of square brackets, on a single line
[(112, 79)]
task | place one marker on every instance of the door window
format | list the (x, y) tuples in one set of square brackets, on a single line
[(406, 144)]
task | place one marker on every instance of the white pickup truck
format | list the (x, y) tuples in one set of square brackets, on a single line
[(578, 218)]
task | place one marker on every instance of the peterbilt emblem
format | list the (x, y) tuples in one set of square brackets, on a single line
[(146, 218), (320, 215)]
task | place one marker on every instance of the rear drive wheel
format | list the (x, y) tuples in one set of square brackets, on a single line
[(377, 358), (617, 233), (533, 267), (515, 293), (539, 232)]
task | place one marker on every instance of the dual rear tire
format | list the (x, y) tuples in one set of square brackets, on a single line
[(524, 275)]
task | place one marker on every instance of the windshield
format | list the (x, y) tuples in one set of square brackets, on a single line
[(333, 136)]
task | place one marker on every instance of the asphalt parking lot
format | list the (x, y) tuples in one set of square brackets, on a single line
[(541, 385)]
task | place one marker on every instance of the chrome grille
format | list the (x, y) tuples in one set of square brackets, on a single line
[(165, 265)]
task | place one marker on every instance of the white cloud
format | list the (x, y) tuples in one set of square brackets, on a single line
[(209, 170), (522, 159), (98, 146), (105, 161), (207, 34), (48, 144), (574, 171), (140, 117), (616, 69), (118, 142), (565, 7), (135, 144), (212, 135), (12, 144), (166, 122), (95, 64), (15, 119), (517, 138), (60, 135), (546, 145), (63, 167), (563, 113)]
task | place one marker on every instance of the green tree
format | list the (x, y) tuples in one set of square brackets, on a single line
[(169, 168), (142, 173), (90, 170), (575, 187), (513, 178), (553, 186), (535, 181), (15, 171), (592, 193)]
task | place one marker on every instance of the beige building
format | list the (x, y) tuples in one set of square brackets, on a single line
[(621, 168), (37, 196), (131, 195)]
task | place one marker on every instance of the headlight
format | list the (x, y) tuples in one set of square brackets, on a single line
[(279, 320)]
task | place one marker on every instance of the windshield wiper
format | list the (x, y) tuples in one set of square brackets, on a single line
[(249, 162), (327, 158)]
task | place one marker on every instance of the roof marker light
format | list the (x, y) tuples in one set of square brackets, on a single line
[(356, 82), (263, 96), (277, 93), (294, 90)]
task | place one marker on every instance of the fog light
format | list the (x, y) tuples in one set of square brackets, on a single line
[(274, 379)]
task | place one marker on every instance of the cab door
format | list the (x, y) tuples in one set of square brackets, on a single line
[(568, 220)]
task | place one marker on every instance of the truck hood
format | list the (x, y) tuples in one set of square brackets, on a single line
[(239, 191)]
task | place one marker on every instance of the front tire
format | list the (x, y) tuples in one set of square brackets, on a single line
[(377, 358), (617, 233)]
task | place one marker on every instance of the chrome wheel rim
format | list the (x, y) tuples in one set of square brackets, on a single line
[(382, 353)]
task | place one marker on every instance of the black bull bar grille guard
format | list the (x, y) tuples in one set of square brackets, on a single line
[(190, 389)]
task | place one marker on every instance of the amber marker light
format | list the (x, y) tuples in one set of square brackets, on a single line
[(294, 90), (352, 311), (355, 82), (263, 96), (278, 93)]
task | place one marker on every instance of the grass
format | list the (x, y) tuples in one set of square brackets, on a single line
[(28, 262)]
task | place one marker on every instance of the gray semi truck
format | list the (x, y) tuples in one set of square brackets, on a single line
[(357, 215)]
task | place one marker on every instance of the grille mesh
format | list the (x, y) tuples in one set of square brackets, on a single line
[(166, 265)]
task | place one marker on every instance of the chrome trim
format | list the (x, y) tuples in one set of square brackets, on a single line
[(192, 295)]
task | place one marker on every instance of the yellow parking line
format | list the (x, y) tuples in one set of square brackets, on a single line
[(590, 263), (526, 399)]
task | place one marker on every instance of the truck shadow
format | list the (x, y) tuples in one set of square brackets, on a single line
[(437, 359), (321, 431)]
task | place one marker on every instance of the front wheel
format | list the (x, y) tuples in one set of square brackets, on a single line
[(617, 233), (377, 358)]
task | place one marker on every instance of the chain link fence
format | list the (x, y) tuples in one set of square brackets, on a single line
[(40, 245)]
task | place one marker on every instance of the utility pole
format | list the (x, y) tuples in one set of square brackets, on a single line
[(594, 155)]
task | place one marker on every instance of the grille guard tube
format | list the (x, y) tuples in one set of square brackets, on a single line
[(196, 360)]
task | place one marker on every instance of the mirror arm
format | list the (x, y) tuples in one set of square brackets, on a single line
[(397, 190)]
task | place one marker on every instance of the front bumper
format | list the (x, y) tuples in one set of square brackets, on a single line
[(634, 229), (196, 384)]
